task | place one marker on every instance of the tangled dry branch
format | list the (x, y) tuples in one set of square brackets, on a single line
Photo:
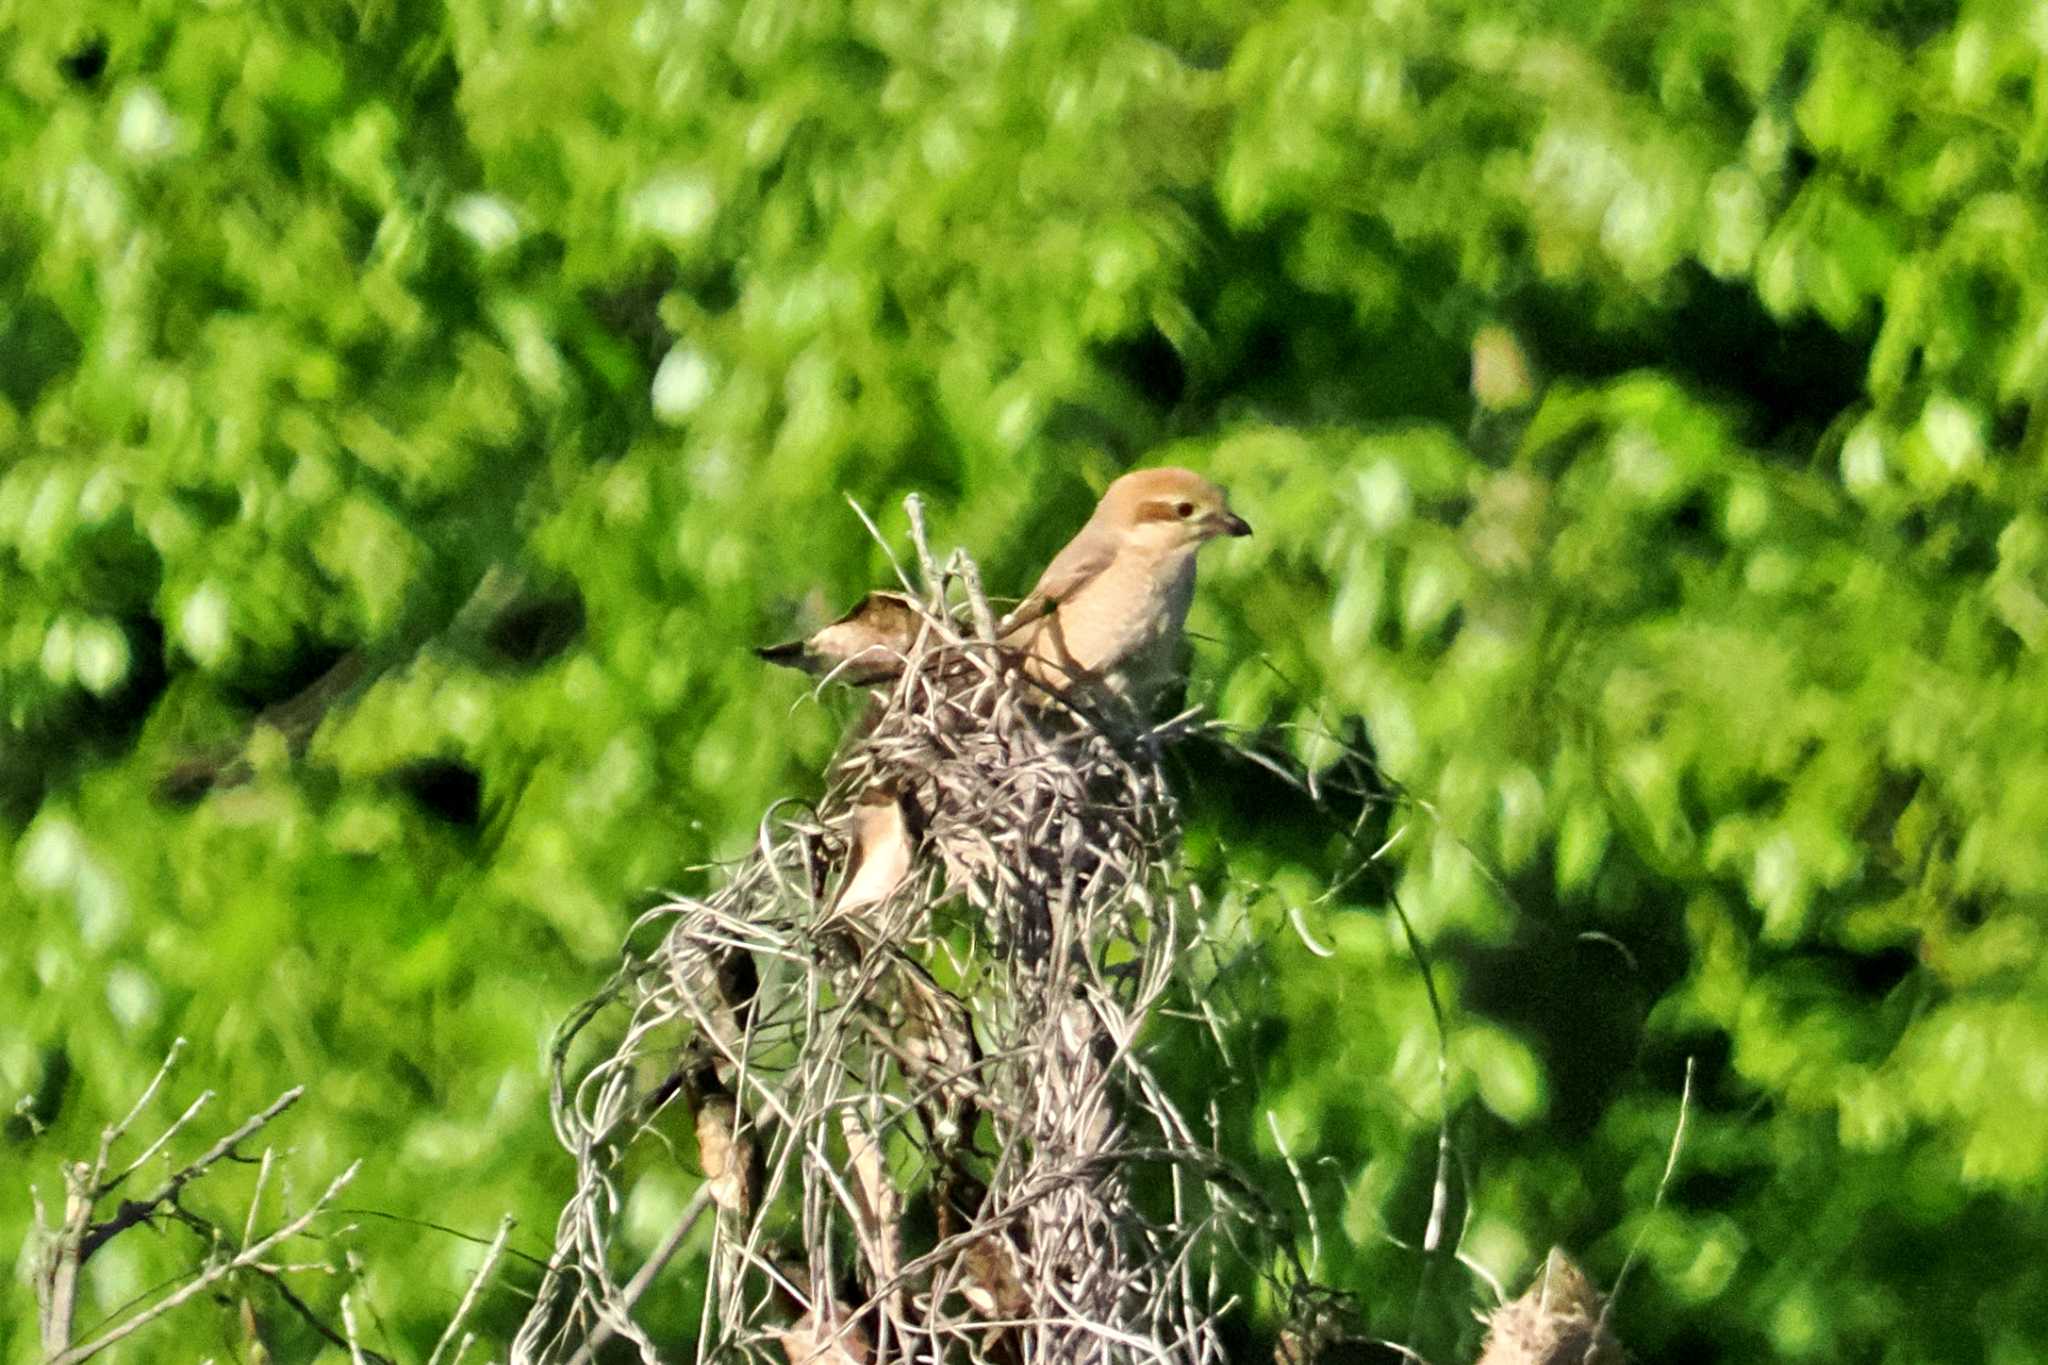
[(920, 1096)]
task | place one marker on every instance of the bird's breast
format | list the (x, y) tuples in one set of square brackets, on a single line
[(1129, 612)]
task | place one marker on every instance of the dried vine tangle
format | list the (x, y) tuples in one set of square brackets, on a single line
[(929, 1126)]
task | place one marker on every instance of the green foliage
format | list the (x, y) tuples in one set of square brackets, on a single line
[(504, 367)]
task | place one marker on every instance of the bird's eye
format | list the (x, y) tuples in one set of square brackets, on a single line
[(1184, 510)]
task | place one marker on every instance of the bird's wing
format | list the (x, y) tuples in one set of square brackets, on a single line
[(882, 852), (1071, 570)]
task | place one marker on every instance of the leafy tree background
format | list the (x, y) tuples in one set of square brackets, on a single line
[(1638, 405)]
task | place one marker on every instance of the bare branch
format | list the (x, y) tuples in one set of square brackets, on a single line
[(256, 1196), (249, 1256), (133, 1211)]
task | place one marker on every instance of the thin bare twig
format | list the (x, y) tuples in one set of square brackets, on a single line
[(115, 1132), (1308, 1207), (476, 1284), (348, 1325), (1663, 1185)]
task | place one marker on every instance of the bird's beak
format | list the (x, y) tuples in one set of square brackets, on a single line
[(1231, 524)]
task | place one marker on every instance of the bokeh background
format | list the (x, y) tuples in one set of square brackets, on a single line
[(412, 413)]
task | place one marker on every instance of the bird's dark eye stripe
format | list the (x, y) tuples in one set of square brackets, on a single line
[(1161, 511)]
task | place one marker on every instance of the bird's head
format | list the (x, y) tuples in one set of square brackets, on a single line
[(1168, 509)]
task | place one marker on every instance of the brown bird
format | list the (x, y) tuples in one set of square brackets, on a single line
[(867, 645), (1110, 608), (725, 1142), (885, 825)]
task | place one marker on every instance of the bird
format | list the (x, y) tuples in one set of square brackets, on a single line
[(867, 645), (885, 827), (725, 1144), (1108, 611)]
